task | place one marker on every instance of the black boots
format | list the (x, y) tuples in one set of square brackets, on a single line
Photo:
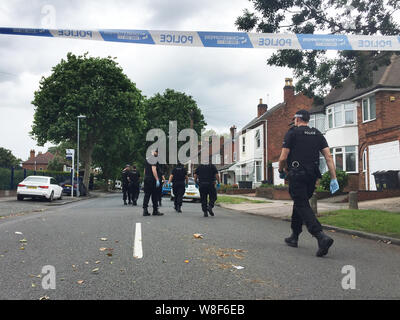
[(179, 209), (205, 213), (125, 204), (324, 243), (145, 212), (157, 213), (210, 211), (292, 240)]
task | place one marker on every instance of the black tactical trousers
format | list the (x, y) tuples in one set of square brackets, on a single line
[(208, 195), (301, 189), (126, 192), (151, 191), (134, 190), (179, 191)]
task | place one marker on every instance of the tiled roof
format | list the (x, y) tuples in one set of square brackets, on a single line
[(385, 77), (262, 117), (43, 158)]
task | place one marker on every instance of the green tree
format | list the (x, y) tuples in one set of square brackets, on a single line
[(316, 71), (7, 159), (173, 106), (94, 87)]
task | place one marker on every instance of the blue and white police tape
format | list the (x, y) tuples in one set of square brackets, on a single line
[(222, 39)]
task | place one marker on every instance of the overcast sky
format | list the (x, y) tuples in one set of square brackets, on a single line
[(226, 83)]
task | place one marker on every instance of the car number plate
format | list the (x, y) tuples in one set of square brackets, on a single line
[(31, 187), (191, 194)]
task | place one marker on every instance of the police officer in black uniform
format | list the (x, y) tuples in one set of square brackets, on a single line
[(299, 163), (179, 179), (134, 185), (205, 177), (125, 184), (152, 183)]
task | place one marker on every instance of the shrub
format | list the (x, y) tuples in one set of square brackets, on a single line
[(342, 178)]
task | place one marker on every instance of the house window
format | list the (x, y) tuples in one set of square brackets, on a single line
[(234, 156), (243, 144), (341, 115), (345, 158), (258, 139), (369, 108), (317, 121), (338, 116), (258, 171), (349, 114), (322, 164)]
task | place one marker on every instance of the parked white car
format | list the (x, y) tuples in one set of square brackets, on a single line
[(118, 184), (191, 192), (39, 187)]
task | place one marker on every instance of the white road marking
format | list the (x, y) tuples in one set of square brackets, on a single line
[(137, 248)]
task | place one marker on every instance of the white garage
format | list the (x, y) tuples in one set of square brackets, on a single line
[(383, 156)]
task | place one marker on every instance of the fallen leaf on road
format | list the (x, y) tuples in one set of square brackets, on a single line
[(23, 241), (97, 262), (33, 285), (80, 281), (44, 298), (238, 267), (103, 239), (22, 248), (187, 261), (332, 230), (17, 232), (95, 270), (237, 256), (354, 237), (86, 262), (103, 249), (198, 236)]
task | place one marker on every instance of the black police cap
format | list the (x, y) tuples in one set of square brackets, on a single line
[(302, 114)]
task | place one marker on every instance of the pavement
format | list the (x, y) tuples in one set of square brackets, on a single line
[(282, 209)]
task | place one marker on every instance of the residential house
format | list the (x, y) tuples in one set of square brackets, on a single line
[(362, 126), (38, 162), (260, 141)]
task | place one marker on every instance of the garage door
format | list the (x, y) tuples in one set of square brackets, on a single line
[(383, 156)]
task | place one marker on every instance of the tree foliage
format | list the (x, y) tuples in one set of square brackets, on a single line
[(316, 71), (7, 159), (94, 87)]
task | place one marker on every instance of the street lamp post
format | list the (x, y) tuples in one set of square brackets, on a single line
[(77, 162)]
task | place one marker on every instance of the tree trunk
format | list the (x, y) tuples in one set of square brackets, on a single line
[(87, 162)]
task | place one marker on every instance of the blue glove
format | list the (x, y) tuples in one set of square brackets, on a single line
[(218, 186), (334, 186), (197, 186), (186, 185), (157, 183), (282, 175)]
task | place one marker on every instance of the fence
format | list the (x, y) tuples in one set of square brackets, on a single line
[(10, 177)]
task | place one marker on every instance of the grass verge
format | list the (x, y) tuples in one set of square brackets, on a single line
[(372, 221), (237, 200)]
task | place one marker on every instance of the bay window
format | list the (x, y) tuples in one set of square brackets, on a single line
[(345, 158), (341, 115)]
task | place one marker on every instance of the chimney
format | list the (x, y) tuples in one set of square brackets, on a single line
[(261, 109), (288, 90), (233, 131), (32, 154)]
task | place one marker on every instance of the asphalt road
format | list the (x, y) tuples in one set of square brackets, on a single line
[(91, 244)]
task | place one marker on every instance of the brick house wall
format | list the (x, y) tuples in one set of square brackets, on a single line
[(278, 122), (385, 128)]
